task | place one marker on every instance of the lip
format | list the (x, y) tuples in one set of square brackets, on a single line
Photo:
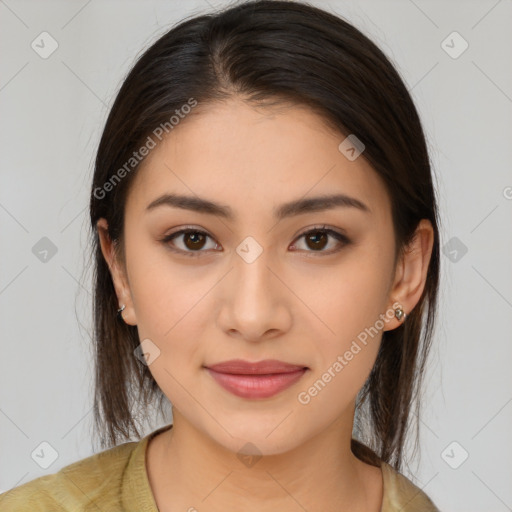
[(261, 379), (265, 367)]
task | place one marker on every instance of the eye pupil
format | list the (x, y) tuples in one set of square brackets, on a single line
[(314, 237), (197, 240)]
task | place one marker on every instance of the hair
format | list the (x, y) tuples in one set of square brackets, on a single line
[(270, 53)]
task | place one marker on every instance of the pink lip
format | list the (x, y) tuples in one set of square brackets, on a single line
[(256, 380)]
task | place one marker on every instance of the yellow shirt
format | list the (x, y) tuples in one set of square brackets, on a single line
[(115, 480)]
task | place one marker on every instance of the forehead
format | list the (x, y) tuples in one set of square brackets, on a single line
[(235, 154)]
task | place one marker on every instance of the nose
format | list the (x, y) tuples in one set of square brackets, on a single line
[(255, 303)]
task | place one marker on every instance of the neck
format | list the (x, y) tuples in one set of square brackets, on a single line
[(188, 469)]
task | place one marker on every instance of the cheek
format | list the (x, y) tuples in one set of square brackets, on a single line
[(170, 312), (165, 294), (346, 303), (170, 308), (346, 344), (348, 296)]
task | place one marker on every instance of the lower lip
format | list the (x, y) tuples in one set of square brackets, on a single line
[(256, 386)]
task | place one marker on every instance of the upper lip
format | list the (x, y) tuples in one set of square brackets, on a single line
[(267, 366)]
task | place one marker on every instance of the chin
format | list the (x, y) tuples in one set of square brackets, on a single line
[(254, 440)]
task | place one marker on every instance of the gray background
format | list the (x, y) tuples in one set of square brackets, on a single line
[(52, 113)]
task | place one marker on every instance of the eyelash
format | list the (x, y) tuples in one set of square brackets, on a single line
[(320, 229)]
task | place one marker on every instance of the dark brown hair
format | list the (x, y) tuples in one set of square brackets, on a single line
[(270, 52)]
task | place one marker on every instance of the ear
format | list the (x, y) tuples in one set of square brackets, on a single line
[(117, 273), (411, 272)]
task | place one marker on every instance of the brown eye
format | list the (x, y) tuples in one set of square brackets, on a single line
[(194, 240), (192, 244), (317, 239)]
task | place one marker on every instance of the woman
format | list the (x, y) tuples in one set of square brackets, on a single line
[(266, 251)]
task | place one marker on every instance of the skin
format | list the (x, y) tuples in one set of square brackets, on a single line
[(295, 303)]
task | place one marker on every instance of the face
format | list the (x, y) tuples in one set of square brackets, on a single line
[(254, 285)]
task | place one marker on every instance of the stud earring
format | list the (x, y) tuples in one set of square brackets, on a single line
[(119, 312), (400, 314)]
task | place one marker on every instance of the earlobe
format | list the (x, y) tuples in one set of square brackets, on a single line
[(117, 274), (411, 277), (395, 316)]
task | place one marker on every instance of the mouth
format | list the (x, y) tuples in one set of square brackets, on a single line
[(253, 380)]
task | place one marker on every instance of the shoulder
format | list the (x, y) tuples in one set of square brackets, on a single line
[(89, 484), (401, 494)]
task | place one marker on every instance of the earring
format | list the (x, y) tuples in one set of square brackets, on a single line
[(400, 313), (119, 311)]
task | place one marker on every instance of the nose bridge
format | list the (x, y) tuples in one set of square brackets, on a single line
[(251, 300), (251, 273)]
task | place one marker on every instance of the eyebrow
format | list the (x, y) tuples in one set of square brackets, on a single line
[(297, 207)]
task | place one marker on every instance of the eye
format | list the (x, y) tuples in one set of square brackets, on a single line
[(194, 240), (317, 238), (192, 243)]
